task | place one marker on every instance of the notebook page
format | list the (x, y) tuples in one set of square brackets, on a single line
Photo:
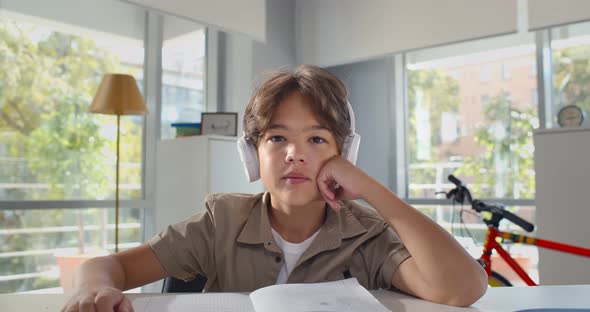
[(214, 302), (343, 295)]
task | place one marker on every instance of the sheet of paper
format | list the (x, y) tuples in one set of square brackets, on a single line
[(218, 302), (344, 295)]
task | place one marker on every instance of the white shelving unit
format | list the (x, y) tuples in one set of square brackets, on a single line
[(562, 165), (191, 167)]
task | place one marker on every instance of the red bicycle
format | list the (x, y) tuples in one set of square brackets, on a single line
[(494, 237)]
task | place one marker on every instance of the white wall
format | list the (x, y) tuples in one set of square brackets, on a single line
[(369, 84), (279, 50), (242, 58), (235, 73), (563, 209)]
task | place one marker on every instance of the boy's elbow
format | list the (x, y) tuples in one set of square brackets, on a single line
[(472, 291), (465, 299)]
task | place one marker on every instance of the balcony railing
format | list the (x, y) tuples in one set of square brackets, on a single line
[(44, 258)]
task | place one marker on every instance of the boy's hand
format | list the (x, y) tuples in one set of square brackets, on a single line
[(338, 179), (103, 299)]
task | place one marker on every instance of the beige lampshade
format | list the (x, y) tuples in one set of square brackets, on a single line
[(118, 95)]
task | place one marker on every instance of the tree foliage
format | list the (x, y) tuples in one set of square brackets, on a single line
[(505, 167), (572, 76), (439, 93)]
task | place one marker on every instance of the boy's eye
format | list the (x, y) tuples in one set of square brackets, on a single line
[(276, 138), (318, 140)]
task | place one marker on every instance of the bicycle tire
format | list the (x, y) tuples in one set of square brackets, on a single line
[(497, 280)]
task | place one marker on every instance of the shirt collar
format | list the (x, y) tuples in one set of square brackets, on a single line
[(257, 227), (338, 226)]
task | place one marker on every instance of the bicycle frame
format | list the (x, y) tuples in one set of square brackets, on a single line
[(491, 243)]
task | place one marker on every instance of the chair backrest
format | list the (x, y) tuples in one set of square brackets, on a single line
[(175, 285)]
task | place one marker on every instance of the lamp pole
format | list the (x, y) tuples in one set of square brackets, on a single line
[(117, 188)]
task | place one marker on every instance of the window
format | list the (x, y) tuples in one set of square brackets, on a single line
[(57, 161), (51, 147), (505, 71), (571, 60), (183, 73), (484, 100), (485, 73), (493, 152), (507, 96), (495, 104), (455, 74)]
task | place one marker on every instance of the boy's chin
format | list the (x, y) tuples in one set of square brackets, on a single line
[(300, 198)]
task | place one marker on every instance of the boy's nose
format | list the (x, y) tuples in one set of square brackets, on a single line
[(292, 158), (294, 155)]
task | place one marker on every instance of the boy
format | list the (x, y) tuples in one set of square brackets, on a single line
[(305, 228)]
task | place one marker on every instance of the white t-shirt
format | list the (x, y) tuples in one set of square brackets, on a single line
[(292, 252)]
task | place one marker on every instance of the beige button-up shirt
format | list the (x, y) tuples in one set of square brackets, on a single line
[(232, 245)]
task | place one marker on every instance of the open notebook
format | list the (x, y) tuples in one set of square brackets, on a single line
[(344, 295)]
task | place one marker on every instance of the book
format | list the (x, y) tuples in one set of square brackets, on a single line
[(343, 295)]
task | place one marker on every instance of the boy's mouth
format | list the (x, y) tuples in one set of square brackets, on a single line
[(295, 178)]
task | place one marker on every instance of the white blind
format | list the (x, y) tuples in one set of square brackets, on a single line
[(111, 17), (546, 13), (245, 16), (333, 32)]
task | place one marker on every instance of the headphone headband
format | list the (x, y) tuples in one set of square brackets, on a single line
[(351, 116)]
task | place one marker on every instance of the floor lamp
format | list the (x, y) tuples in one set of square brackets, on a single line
[(118, 95)]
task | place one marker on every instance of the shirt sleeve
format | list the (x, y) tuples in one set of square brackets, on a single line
[(186, 249), (383, 255)]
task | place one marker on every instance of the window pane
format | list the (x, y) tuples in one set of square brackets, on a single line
[(32, 241), (472, 114), (183, 73), (571, 66), (51, 147)]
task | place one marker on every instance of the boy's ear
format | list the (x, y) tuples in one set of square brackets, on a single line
[(249, 156)]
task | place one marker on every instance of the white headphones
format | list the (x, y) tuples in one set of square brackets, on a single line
[(249, 154)]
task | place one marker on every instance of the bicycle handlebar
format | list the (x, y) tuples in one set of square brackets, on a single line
[(455, 181), (479, 206), (461, 192)]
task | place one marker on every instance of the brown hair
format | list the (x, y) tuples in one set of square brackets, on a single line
[(325, 91)]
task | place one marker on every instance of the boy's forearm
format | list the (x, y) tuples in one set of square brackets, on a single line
[(100, 272), (431, 246)]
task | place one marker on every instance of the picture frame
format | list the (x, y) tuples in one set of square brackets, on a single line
[(219, 124)]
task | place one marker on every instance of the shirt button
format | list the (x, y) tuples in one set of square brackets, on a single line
[(277, 259)]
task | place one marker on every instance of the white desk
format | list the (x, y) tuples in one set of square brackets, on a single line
[(496, 299)]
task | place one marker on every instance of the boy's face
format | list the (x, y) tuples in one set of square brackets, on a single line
[(292, 151)]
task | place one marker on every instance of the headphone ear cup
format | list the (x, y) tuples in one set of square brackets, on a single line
[(249, 157), (350, 148)]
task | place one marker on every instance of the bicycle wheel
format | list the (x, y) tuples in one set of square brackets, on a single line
[(497, 280)]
